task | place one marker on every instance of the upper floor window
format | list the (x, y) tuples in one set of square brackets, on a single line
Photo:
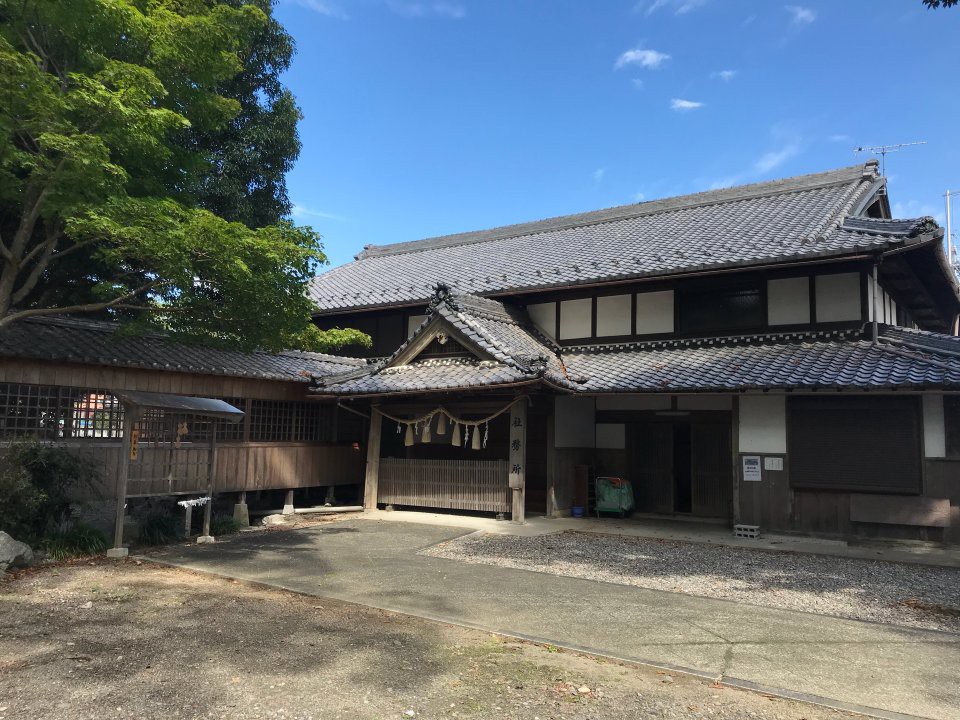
[(721, 309)]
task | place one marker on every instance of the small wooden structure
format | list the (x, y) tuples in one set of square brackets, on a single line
[(168, 440)]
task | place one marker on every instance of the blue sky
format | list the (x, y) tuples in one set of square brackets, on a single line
[(428, 117)]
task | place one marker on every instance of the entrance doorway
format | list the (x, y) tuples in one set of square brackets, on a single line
[(682, 464)]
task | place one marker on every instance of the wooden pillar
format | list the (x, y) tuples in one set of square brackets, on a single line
[(372, 478), (518, 458), (288, 508), (129, 454), (551, 471), (205, 536)]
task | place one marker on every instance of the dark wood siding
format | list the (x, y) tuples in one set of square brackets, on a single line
[(860, 444)]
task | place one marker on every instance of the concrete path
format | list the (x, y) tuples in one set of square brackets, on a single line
[(855, 664)]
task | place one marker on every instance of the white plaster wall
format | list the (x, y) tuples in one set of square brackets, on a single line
[(413, 322), (838, 297), (544, 316), (613, 315), (573, 422), (934, 434), (634, 402), (655, 312), (611, 436), (763, 424), (576, 319), (704, 402), (788, 301)]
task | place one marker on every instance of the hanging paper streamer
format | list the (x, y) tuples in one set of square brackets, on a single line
[(486, 433), (462, 429), (408, 437), (425, 437), (455, 436)]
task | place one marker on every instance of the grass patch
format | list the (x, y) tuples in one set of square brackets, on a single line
[(76, 540), (224, 525)]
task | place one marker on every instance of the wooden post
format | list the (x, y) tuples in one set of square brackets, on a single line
[(241, 512), (187, 521), (205, 536), (288, 508), (372, 478), (518, 458), (551, 471), (129, 449)]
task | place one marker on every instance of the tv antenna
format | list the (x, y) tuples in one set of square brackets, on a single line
[(882, 151)]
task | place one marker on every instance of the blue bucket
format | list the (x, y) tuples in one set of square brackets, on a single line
[(576, 511)]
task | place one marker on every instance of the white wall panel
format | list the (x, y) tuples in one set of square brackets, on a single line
[(788, 301), (414, 322), (655, 312), (838, 297), (576, 319), (763, 424), (613, 315), (934, 434), (544, 316)]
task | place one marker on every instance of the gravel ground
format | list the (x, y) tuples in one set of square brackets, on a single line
[(133, 640), (900, 594)]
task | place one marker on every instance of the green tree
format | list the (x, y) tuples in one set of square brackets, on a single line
[(933, 4), (109, 113)]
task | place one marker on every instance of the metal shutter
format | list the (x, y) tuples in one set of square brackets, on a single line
[(861, 444)]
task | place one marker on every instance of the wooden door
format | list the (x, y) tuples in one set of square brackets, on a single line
[(651, 466), (711, 468)]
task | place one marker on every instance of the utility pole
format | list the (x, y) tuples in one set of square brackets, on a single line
[(951, 250)]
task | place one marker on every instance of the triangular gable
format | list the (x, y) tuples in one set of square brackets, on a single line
[(435, 327)]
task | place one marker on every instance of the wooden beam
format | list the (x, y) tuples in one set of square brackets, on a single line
[(372, 478), (518, 458)]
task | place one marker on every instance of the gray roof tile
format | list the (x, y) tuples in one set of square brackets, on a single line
[(762, 223), (68, 339)]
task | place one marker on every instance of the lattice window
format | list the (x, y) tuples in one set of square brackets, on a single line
[(53, 412), (232, 432), (313, 422), (270, 421)]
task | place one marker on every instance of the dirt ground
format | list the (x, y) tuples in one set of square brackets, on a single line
[(104, 639)]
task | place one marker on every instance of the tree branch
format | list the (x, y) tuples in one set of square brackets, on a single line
[(13, 317), (42, 252)]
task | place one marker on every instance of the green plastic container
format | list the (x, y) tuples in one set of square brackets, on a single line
[(613, 495)]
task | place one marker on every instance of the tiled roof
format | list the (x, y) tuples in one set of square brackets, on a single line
[(84, 341), (514, 351), (517, 353), (802, 217), (805, 361)]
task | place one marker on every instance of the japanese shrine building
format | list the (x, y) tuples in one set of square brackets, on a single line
[(790, 327)]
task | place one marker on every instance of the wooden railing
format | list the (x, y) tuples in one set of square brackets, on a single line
[(479, 485)]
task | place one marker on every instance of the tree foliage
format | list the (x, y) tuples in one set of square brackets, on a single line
[(124, 187), (933, 4)]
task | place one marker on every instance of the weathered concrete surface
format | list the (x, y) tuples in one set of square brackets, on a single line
[(893, 669)]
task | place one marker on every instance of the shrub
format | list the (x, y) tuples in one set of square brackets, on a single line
[(159, 527), (76, 539), (223, 525), (37, 481)]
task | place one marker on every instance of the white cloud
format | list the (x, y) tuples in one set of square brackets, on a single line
[(681, 105), (760, 167), (637, 83), (838, 137), (679, 7), (301, 212), (643, 57), (725, 75), (775, 158), (440, 8), (323, 7), (639, 197), (801, 15), (598, 174)]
